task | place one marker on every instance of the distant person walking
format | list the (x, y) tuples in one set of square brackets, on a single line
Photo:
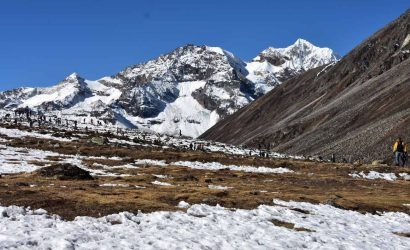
[(405, 155), (399, 155), (333, 158)]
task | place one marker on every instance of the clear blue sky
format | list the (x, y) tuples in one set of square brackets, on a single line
[(42, 41)]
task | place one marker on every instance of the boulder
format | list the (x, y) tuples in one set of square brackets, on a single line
[(64, 172), (376, 163), (99, 140)]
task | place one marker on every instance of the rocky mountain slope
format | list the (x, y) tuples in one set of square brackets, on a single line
[(354, 108), (188, 89)]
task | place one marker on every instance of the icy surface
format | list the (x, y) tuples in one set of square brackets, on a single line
[(114, 185), (219, 166), (160, 183), (207, 227), (217, 187), (16, 133), (372, 175), (16, 160), (150, 162), (193, 119), (160, 176), (183, 204), (19, 160)]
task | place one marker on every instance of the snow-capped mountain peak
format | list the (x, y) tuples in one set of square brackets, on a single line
[(188, 89), (74, 80), (209, 79), (302, 43), (275, 65), (73, 76), (302, 53)]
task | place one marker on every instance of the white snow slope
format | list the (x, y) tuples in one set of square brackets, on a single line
[(273, 65), (159, 94), (207, 227)]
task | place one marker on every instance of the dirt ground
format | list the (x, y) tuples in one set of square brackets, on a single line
[(316, 182)]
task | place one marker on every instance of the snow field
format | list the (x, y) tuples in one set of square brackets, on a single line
[(207, 227), (192, 118), (21, 160), (16, 133), (17, 160)]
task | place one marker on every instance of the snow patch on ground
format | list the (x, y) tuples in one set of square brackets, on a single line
[(183, 204), (17, 160), (219, 166), (216, 187), (160, 176), (372, 175), (160, 183), (207, 227), (150, 162), (16, 133), (114, 185)]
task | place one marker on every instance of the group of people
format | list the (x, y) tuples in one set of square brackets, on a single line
[(400, 153), (33, 117)]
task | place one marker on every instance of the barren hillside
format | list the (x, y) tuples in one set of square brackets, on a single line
[(354, 108)]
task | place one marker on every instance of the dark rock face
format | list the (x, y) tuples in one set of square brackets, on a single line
[(150, 86), (354, 108), (147, 100), (64, 172)]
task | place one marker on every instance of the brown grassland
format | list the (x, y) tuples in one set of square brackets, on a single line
[(316, 182)]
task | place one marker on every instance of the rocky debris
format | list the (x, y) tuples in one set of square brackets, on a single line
[(99, 140), (64, 172)]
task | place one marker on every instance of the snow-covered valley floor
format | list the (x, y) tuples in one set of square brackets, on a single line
[(149, 195)]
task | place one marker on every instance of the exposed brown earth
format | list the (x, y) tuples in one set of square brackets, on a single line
[(354, 109), (316, 182)]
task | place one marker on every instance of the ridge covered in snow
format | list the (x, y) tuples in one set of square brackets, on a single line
[(275, 65), (187, 90)]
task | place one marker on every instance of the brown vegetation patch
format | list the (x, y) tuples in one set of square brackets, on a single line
[(289, 225), (402, 234), (315, 182), (38, 163)]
